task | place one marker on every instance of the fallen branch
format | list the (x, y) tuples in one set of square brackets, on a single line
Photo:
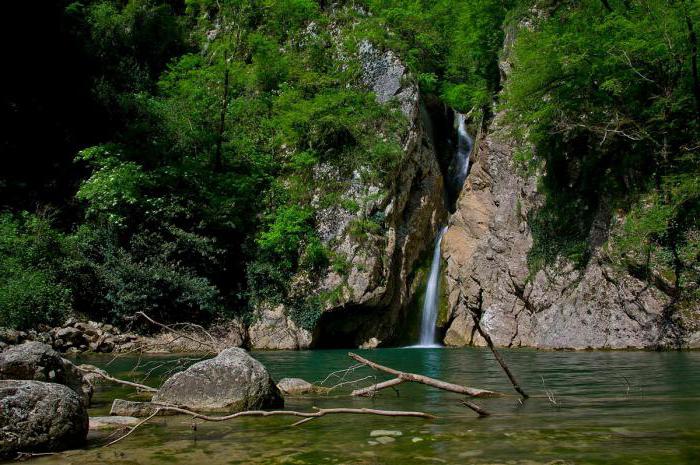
[(181, 334), (401, 376), (476, 313), (372, 390), (480, 411), (142, 387), (133, 428), (309, 415)]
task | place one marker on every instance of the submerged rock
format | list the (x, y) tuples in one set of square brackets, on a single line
[(232, 381), (128, 408), (39, 362), (297, 386), (112, 422), (384, 439), (37, 416), (385, 432)]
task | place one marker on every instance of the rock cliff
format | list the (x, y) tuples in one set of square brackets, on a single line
[(486, 248), (371, 293)]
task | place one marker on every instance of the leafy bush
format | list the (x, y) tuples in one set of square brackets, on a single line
[(31, 268)]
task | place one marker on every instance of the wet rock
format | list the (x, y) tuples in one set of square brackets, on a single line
[(385, 432), (37, 416), (298, 386), (121, 407), (230, 382), (39, 362), (92, 374), (112, 422), (384, 439)]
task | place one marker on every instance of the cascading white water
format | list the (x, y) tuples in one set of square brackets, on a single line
[(432, 290), (464, 147), (432, 297)]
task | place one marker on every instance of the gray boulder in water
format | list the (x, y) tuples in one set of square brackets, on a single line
[(232, 381), (39, 362), (37, 417)]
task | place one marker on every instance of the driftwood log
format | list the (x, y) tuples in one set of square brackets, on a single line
[(307, 416), (403, 377)]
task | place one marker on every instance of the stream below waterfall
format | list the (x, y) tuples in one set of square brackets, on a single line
[(623, 408)]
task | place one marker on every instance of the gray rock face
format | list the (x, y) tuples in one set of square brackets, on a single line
[(37, 416), (376, 286), (277, 331), (232, 381), (39, 362), (486, 249)]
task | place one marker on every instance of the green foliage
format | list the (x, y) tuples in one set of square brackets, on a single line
[(452, 46), (606, 101), (360, 228), (31, 255), (211, 132)]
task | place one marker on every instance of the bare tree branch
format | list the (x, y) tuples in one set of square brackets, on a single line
[(142, 387), (469, 391)]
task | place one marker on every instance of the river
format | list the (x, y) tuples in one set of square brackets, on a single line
[(586, 408)]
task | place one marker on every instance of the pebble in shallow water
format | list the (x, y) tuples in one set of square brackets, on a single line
[(384, 439), (385, 432)]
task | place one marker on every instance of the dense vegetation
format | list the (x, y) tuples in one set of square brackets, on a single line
[(607, 95), (167, 152)]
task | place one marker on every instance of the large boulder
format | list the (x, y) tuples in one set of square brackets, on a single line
[(233, 381), (39, 362), (37, 416)]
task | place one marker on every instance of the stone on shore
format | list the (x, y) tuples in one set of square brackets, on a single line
[(40, 417), (232, 381), (39, 362), (112, 422), (129, 408)]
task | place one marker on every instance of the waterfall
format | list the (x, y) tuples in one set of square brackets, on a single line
[(464, 147), (432, 297), (431, 303)]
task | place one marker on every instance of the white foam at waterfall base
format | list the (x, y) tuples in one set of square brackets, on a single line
[(431, 301)]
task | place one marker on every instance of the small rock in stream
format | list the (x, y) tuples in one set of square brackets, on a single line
[(385, 432), (384, 439), (98, 423)]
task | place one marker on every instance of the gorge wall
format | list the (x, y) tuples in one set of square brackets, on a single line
[(486, 249), (371, 295), (485, 252), (559, 307)]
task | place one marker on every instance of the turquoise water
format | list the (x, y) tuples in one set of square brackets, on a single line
[(586, 408)]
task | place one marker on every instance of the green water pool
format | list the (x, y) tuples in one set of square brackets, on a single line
[(622, 408)]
